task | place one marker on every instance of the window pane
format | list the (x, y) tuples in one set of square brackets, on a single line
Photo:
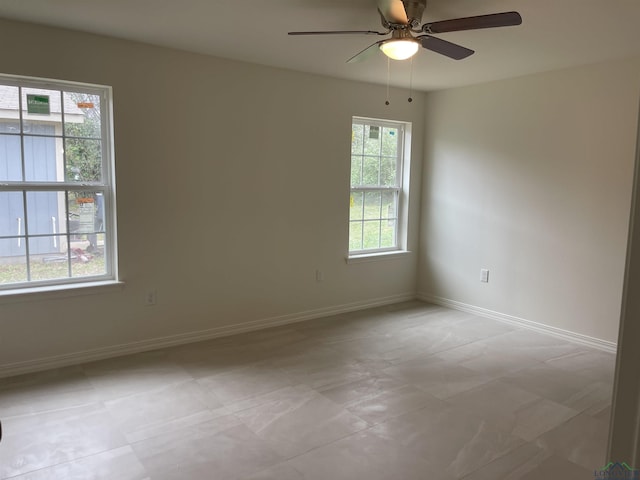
[(389, 205), (10, 157), (389, 139), (388, 171), (82, 115), (50, 248), (370, 171), (86, 213), (87, 258), (48, 259), (355, 236), (388, 234), (46, 214), (372, 140), (11, 215), (13, 262), (9, 109), (41, 112), (372, 205), (371, 234), (84, 160), (355, 210), (43, 159), (356, 170), (357, 134)]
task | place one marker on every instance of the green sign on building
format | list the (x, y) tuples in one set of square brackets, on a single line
[(38, 104)]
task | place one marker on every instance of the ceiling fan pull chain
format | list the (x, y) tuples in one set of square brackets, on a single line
[(410, 99), (388, 76)]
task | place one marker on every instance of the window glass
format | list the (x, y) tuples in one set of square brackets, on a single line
[(83, 160), (82, 117), (10, 156)]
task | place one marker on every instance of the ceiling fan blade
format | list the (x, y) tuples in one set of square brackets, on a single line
[(393, 11), (448, 49), (366, 53), (504, 19), (340, 32)]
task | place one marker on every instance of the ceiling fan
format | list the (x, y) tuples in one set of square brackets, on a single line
[(402, 18)]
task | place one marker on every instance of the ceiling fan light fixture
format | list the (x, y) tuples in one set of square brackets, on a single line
[(401, 49)]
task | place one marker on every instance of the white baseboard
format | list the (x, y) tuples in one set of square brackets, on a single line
[(521, 322), (75, 358)]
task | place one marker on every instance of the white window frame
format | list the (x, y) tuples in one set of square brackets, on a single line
[(401, 187), (106, 187)]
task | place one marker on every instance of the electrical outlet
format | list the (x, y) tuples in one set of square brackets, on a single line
[(484, 275), (151, 297), (319, 276)]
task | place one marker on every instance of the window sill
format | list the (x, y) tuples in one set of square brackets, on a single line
[(377, 257), (36, 294)]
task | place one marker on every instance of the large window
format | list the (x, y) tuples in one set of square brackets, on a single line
[(56, 183), (377, 154)]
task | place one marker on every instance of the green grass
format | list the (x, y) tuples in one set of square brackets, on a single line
[(366, 229), (40, 270)]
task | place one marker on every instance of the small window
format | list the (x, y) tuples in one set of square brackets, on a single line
[(57, 217), (377, 153)]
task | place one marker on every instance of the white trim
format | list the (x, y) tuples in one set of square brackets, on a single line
[(75, 358), (377, 256), (51, 292), (106, 186), (574, 337), (401, 188)]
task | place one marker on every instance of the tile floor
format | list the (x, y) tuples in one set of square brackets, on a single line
[(408, 391)]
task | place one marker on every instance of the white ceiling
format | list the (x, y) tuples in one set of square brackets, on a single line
[(554, 33)]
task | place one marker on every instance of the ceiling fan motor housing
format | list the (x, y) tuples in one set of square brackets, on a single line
[(414, 9)]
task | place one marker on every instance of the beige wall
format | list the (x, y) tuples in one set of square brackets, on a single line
[(232, 187), (233, 190), (531, 178)]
